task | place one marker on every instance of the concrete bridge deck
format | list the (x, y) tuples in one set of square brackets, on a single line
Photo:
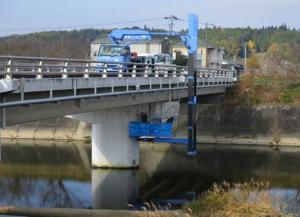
[(58, 87)]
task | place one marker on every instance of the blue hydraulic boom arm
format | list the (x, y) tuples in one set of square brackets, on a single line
[(190, 40)]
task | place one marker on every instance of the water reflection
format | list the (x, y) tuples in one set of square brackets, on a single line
[(44, 175), (44, 193), (114, 189), (59, 175)]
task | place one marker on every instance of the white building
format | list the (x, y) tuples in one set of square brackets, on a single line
[(208, 57)]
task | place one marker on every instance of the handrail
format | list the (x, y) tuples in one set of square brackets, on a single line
[(15, 66)]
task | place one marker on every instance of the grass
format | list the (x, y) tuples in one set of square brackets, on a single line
[(267, 90), (237, 200)]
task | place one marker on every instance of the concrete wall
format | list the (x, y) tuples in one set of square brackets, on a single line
[(244, 125), (51, 129), (216, 124)]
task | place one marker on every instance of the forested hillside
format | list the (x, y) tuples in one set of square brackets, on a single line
[(260, 40), (278, 41), (71, 44)]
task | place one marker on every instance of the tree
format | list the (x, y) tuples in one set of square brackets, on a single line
[(253, 63), (181, 59), (280, 51), (273, 51), (251, 44)]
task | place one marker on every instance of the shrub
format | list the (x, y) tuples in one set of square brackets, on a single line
[(237, 200)]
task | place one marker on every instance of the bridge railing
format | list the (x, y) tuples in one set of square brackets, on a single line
[(40, 67)]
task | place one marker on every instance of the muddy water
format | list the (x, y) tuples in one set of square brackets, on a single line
[(39, 174)]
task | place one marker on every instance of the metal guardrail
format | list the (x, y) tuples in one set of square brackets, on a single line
[(40, 67)]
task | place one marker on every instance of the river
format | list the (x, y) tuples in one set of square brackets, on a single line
[(48, 174)]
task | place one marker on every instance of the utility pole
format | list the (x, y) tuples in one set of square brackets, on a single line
[(206, 41), (285, 68), (265, 69), (245, 57), (172, 20), (206, 37), (206, 45)]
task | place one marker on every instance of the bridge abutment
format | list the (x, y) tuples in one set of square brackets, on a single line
[(111, 145)]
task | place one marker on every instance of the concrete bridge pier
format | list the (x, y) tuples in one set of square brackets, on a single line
[(111, 145)]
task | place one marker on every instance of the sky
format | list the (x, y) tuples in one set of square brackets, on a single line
[(24, 16)]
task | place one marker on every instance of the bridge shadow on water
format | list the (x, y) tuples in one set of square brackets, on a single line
[(51, 174), (175, 175)]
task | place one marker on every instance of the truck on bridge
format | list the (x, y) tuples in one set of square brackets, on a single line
[(118, 55), (114, 55)]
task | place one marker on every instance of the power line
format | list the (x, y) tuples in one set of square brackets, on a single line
[(171, 19), (82, 26)]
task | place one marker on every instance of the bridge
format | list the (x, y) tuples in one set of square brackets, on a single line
[(34, 88)]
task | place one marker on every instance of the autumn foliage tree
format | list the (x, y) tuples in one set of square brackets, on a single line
[(253, 63)]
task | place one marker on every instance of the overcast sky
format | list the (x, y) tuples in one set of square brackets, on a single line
[(21, 16)]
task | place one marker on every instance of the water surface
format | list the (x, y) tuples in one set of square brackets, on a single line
[(39, 174)]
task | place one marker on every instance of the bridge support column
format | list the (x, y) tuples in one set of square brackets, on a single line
[(111, 145)]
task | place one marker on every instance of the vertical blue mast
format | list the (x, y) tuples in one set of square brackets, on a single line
[(192, 44)]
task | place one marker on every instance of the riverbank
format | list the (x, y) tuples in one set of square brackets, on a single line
[(60, 128), (217, 124)]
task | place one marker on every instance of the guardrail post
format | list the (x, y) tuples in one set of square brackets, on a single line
[(175, 72), (86, 71), (104, 75), (134, 71), (146, 71), (166, 73), (156, 72), (65, 71), (8, 69), (39, 74), (120, 74)]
